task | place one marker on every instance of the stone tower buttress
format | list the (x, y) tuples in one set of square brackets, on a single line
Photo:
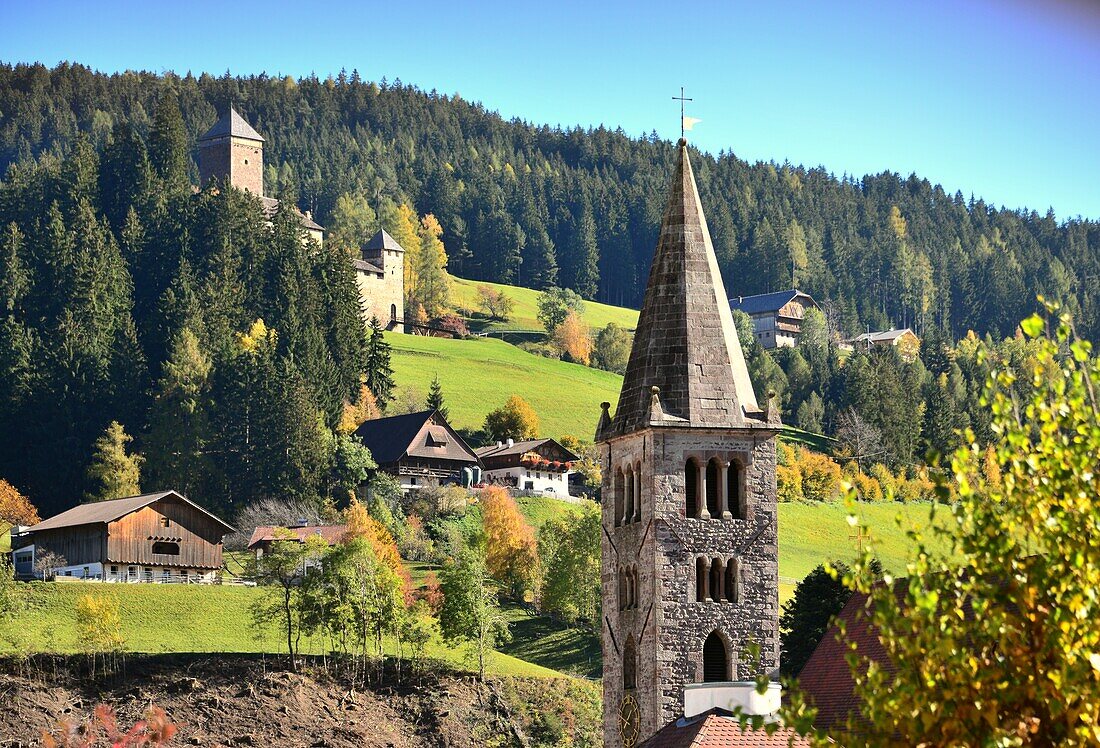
[(689, 573)]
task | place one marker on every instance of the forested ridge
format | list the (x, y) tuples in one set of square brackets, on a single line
[(539, 206), (157, 335)]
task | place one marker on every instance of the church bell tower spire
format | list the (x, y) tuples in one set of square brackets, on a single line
[(689, 551)]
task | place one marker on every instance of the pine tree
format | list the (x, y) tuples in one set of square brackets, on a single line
[(113, 473), (378, 370), (168, 143), (435, 399), (584, 256)]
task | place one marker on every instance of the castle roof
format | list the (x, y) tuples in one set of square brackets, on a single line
[(233, 125), (381, 241), (686, 343)]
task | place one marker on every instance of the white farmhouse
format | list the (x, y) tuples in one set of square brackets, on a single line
[(540, 465)]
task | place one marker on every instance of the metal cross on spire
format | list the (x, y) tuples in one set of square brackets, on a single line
[(681, 98)]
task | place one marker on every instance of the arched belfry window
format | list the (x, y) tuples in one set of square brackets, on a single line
[(638, 492), (735, 490), (691, 488), (628, 517), (712, 488), (701, 580), (619, 490), (733, 587), (715, 662), (630, 664)]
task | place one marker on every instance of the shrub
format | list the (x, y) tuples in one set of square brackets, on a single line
[(453, 324), (820, 476)]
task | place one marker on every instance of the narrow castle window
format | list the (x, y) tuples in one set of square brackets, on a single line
[(622, 589), (716, 579), (691, 488), (715, 664), (712, 488)]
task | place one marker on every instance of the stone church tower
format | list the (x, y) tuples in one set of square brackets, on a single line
[(690, 573)]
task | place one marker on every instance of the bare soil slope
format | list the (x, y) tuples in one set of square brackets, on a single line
[(240, 700)]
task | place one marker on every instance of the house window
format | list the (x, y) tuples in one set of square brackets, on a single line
[(166, 549), (148, 574), (131, 572), (114, 570), (165, 522)]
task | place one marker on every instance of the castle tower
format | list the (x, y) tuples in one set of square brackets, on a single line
[(690, 573), (233, 149)]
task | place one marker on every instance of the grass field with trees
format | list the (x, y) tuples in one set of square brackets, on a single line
[(524, 314)]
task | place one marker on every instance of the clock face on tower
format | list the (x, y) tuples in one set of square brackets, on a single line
[(629, 721)]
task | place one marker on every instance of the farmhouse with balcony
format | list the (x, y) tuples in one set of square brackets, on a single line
[(155, 537), (420, 449), (540, 465), (776, 317)]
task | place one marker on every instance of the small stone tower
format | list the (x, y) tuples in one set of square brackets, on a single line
[(233, 149), (690, 573)]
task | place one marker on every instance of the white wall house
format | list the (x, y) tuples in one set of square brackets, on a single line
[(540, 465)]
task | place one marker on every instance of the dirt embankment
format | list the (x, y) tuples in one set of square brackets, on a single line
[(239, 700)]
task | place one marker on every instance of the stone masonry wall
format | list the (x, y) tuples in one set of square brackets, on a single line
[(378, 294), (239, 159)]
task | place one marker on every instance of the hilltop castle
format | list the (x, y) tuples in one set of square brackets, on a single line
[(690, 567), (232, 150)]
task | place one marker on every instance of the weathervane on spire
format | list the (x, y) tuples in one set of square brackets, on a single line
[(686, 123)]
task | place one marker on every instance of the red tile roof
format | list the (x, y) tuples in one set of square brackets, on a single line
[(719, 729), (332, 533)]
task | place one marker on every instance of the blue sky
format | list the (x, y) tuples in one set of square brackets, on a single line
[(996, 98)]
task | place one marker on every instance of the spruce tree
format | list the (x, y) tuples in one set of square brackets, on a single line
[(435, 399), (113, 472), (378, 370), (179, 420), (168, 143)]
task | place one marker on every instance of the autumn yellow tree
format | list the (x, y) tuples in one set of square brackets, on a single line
[(992, 636), (360, 524), (516, 419), (433, 285), (363, 409), (573, 339), (402, 226), (510, 549), (15, 508)]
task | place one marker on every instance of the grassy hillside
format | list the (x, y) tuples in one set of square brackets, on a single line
[(525, 314), (479, 375)]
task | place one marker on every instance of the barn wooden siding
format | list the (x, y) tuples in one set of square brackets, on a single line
[(85, 544), (130, 539)]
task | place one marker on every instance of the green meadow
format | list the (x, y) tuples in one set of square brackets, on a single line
[(525, 313)]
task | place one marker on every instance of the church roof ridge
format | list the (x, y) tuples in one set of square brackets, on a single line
[(686, 356), (234, 125)]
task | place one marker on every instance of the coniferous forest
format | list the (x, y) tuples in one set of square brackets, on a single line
[(125, 296)]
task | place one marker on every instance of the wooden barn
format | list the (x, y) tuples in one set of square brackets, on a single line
[(156, 537)]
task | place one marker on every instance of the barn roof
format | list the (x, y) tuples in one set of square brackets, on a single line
[(768, 302), (102, 512), (271, 205), (423, 434), (332, 534), (234, 125), (720, 729), (885, 336)]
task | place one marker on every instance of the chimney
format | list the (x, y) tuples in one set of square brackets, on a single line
[(309, 215), (500, 444), (511, 442)]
